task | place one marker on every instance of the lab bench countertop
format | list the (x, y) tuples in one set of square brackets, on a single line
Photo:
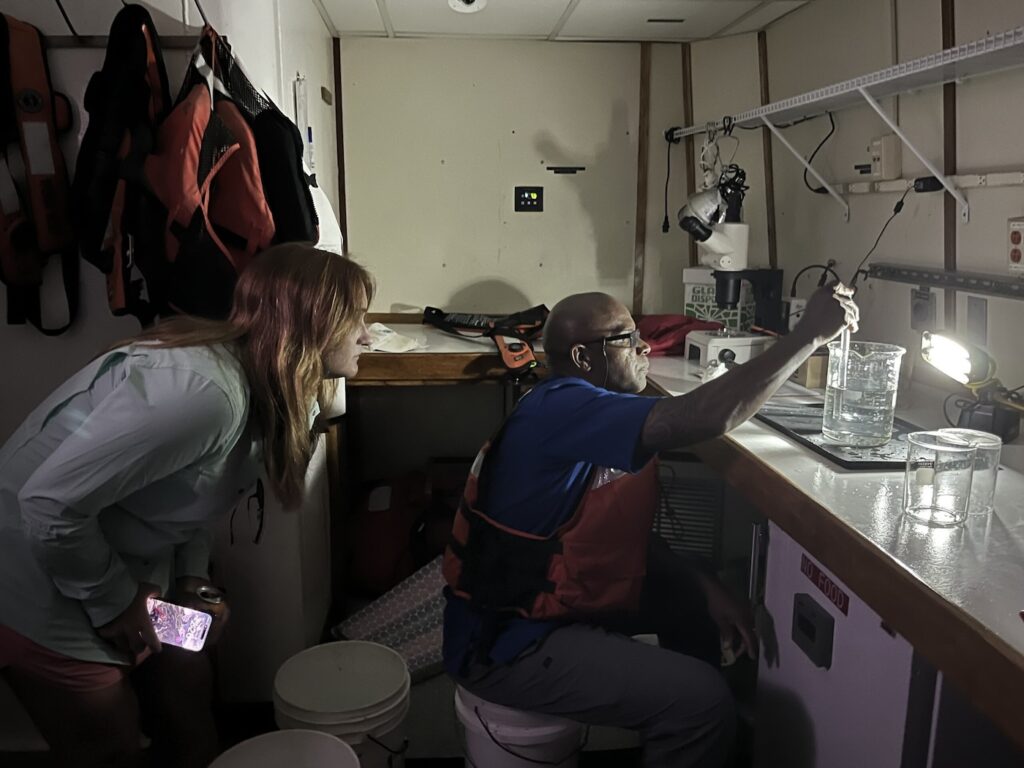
[(956, 594), (440, 358)]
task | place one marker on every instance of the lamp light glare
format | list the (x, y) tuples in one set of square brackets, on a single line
[(949, 356)]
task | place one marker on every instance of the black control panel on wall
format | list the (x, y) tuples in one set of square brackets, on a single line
[(529, 199)]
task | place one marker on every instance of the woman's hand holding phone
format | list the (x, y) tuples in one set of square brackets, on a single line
[(132, 632), (185, 594)]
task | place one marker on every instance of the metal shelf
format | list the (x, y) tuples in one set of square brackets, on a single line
[(991, 54), (1002, 286)]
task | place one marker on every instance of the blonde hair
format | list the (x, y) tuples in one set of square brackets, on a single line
[(291, 305)]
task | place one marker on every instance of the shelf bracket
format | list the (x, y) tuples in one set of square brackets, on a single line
[(965, 210), (831, 190)]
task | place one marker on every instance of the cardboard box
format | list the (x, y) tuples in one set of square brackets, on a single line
[(812, 373), (699, 300)]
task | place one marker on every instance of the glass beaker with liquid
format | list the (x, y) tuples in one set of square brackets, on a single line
[(860, 395)]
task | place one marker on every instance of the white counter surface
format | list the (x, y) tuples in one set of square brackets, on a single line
[(977, 570)]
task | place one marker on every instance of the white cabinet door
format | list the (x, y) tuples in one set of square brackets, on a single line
[(850, 712)]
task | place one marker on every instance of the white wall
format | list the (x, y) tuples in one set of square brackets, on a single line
[(307, 47), (437, 134), (37, 364)]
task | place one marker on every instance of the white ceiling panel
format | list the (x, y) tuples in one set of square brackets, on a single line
[(764, 16), (351, 17), (618, 20), (506, 18)]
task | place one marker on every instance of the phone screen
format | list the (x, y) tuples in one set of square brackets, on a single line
[(178, 625)]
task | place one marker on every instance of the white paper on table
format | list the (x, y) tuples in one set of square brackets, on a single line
[(384, 339)]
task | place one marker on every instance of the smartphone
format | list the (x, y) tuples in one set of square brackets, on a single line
[(178, 625)]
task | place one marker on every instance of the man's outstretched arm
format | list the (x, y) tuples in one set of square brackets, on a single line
[(726, 402)]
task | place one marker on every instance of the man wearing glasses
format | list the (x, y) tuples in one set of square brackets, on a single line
[(553, 565)]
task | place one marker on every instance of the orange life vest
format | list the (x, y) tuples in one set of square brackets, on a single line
[(593, 564), (35, 222)]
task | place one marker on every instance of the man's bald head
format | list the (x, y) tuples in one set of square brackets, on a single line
[(580, 318)]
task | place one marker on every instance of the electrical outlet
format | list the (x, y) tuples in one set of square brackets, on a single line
[(923, 314), (885, 162), (1015, 245)]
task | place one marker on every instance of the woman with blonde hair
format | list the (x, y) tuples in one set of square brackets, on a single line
[(107, 489)]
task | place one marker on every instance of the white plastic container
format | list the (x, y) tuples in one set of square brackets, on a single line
[(500, 737), (295, 749), (354, 690)]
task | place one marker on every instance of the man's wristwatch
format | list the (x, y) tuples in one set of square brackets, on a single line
[(209, 594)]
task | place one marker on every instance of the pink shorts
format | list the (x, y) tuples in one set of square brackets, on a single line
[(25, 656)]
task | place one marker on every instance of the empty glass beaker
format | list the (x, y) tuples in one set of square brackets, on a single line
[(988, 448), (937, 485), (860, 393)]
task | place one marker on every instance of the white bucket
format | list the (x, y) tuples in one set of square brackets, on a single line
[(294, 749), (354, 690), (500, 737)]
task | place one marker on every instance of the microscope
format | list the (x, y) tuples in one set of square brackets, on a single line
[(712, 218)]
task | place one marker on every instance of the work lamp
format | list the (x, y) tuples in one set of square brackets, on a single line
[(994, 409)]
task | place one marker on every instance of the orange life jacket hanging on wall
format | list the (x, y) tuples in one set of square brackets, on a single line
[(593, 564), (125, 100), (37, 224)]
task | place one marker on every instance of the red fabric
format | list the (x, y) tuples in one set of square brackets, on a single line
[(381, 553), (603, 561), (667, 333), (75, 675), (244, 210)]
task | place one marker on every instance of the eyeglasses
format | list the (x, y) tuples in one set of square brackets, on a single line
[(629, 339)]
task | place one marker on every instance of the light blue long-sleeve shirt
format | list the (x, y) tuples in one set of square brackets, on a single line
[(112, 481)]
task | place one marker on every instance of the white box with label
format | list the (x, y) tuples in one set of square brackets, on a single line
[(699, 300)]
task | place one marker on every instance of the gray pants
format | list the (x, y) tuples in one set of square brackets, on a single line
[(679, 703)]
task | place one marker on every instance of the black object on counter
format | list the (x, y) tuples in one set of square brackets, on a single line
[(803, 424)]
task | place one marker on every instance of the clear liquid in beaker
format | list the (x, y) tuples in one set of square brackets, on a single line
[(861, 413), (856, 416)]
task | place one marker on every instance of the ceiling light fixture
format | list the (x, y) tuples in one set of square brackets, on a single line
[(665, 21), (467, 6)]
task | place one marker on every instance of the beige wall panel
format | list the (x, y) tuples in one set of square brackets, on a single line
[(308, 47), (437, 134), (726, 81), (666, 253)]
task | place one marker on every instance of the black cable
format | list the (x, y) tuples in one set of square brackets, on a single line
[(826, 269), (665, 226), (895, 210), (67, 21), (945, 408), (732, 187), (831, 130), (783, 125)]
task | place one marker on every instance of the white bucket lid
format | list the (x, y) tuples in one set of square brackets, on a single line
[(352, 733), (361, 718), (350, 677), (295, 749)]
